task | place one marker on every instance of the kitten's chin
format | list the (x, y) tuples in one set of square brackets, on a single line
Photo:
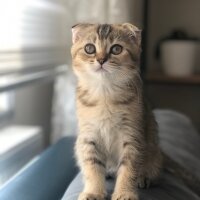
[(100, 69), (94, 74)]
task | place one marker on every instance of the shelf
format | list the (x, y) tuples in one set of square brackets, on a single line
[(160, 78)]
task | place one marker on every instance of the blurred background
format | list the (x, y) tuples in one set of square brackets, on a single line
[(37, 85)]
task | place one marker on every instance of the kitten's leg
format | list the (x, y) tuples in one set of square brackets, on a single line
[(150, 170), (93, 170), (126, 188)]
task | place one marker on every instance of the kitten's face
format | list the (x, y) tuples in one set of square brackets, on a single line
[(105, 53)]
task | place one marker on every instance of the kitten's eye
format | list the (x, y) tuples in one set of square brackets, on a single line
[(116, 49), (90, 48)]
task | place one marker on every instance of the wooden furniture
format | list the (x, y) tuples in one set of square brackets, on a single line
[(175, 93), (161, 78)]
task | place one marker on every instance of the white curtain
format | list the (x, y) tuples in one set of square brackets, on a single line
[(93, 11)]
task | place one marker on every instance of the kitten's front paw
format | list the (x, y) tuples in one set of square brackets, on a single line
[(143, 182), (125, 196), (88, 196)]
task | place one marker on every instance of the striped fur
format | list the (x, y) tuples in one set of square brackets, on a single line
[(117, 130)]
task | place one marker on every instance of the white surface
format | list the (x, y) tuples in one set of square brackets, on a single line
[(178, 57), (18, 145), (11, 137)]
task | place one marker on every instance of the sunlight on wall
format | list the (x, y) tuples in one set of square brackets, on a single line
[(10, 24), (31, 33)]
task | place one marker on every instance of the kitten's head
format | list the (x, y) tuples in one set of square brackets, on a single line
[(106, 53)]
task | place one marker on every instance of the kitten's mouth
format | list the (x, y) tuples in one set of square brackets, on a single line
[(101, 69)]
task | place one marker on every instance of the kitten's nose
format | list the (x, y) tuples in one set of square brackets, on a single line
[(101, 60)]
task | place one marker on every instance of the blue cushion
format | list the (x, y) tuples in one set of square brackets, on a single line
[(180, 140), (47, 178)]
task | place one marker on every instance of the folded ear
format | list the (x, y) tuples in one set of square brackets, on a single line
[(77, 31), (135, 32)]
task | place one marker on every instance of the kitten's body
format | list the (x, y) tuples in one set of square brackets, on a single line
[(116, 124), (117, 130)]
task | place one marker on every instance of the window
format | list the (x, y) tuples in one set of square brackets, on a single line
[(32, 49)]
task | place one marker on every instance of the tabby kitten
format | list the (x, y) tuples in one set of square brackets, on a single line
[(117, 130)]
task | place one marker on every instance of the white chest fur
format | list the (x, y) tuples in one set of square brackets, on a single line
[(103, 124), (109, 135)]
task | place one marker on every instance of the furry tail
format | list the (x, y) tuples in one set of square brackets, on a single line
[(182, 174)]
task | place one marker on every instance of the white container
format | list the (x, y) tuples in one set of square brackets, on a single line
[(178, 57)]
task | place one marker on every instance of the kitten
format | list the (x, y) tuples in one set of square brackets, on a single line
[(117, 129)]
